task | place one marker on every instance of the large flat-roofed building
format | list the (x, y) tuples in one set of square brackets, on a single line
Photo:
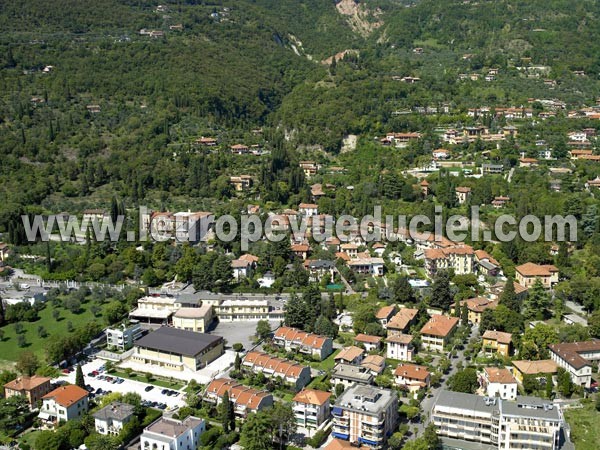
[(177, 349), (576, 358), (348, 375), (193, 319), (527, 423), (365, 415), (154, 309), (32, 388), (234, 310)]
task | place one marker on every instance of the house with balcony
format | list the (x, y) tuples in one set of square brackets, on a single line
[(365, 415), (400, 347), (64, 403), (292, 339), (385, 314), (577, 358), (499, 382), (112, 418), (172, 434), (497, 342), (123, 336), (436, 333), (402, 321), (350, 355), (245, 399), (311, 408), (291, 373), (475, 307), (412, 377)]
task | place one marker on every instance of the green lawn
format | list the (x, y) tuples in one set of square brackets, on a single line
[(585, 426), (29, 437), (177, 385), (327, 363), (9, 350)]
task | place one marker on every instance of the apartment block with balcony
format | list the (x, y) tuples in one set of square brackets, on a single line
[(577, 359), (245, 399), (236, 310), (292, 339), (365, 415), (123, 336), (311, 408)]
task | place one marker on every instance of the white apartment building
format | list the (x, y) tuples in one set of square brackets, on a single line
[(112, 418), (311, 408), (527, 423), (576, 358), (122, 337), (499, 382), (399, 346), (64, 403), (172, 434)]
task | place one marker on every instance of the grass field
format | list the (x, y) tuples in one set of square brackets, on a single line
[(177, 385), (585, 426), (9, 350), (29, 438), (327, 363)]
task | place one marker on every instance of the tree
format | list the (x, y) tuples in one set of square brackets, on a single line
[(227, 414), (97, 441), (79, 380), (283, 421), (49, 440), (27, 363), (537, 302), (237, 365), (55, 314), (535, 341), (325, 327), (363, 316), (594, 324), (464, 381), (416, 444), (402, 291), (431, 438), (256, 432), (295, 312), (508, 297), (441, 295), (13, 413), (464, 314), (21, 341), (263, 329), (549, 386)]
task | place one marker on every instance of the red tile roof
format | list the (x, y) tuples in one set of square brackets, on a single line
[(499, 375), (368, 338), (67, 395), (312, 397), (439, 325), (499, 336), (26, 383), (535, 270), (412, 371)]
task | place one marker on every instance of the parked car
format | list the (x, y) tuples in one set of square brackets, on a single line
[(149, 388)]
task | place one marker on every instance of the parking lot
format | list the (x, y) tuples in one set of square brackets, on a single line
[(154, 395), (242, 331)]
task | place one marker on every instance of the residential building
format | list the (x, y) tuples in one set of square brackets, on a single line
[(538, 369), (311, 408), (239, 149), (460, 258), (526, 423), (350, 355), (156, 309), (245, 399), (348, 375), (123, 336), (528, 273), (500, 201), (241, 183), (310, 168), (365, 415), (402, 321), (241, 269), (233, 310), (475, 306), (499, 382), (462, 194), (112, 418), (374, 363), (308, 209), (194, 319), (399, 346), (577, 358), (488, 169), (172, 434), (486, 264), (291, 373), (369, 342), (385, 314), (411, 377), (293, 339), (320, 269), (497, 342), (64, 403), (436, 333), (367, 266), (33, 388), (178, 350)]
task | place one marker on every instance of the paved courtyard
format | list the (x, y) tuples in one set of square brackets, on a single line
[(241, 331)]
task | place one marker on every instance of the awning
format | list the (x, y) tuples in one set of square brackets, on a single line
[(46, 416)]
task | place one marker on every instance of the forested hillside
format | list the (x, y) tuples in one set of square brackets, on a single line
[(90, 107)]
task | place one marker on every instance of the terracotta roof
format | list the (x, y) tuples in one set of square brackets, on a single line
[(368, 338), (67, 395), (342, 256), (534, 367), (400, 338), (482, 254), (501, 337), (535, 270), (499, 375), (26, 383), (439, 325), (412, 371), (281, 367), (374, 363), (300, 248), (349, 246), (301, 337), (248, 257), (239, 394), (385, 312), (312, 397), (307, 206), (349, 353), (478, 304), (401, 320), (424, 183), (571, 352), (463, 189)]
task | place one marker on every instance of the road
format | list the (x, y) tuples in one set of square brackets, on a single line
[(430, 400)]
